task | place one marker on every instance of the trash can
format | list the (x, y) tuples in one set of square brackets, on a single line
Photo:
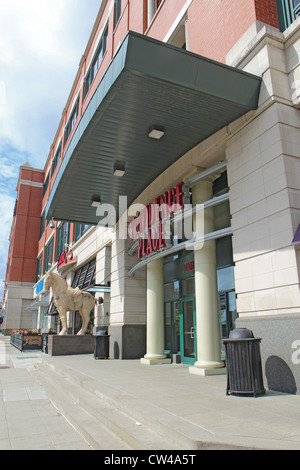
[(101, 350), (243, 363)]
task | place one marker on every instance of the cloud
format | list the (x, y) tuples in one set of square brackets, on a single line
[(42, 42)]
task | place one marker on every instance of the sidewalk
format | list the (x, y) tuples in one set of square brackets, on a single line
[(193, 412), (28, 420)]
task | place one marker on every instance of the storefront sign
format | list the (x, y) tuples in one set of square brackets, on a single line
[(149, 226), (65, 258), (39, 287)]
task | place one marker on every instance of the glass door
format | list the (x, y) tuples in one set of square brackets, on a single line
[(188, 344)]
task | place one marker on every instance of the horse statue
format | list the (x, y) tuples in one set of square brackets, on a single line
[(66, 299)]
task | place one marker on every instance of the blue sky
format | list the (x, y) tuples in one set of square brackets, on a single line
[(42, 42)]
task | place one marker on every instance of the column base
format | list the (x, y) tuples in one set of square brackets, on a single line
[(151, 361), (204, 372)]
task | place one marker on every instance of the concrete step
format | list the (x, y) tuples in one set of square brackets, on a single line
[(98, 419), (168, 430), (98, 436)]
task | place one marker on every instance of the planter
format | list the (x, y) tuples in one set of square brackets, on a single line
[(26, 342)]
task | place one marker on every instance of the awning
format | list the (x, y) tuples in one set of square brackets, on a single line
[(147, 83), (296, 239), (36, 304)]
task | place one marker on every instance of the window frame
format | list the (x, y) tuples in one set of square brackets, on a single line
[(100, 51), (56, 158), (48, 257), (117, 11), (39, 264), (287, 13), (43, 223), (63, 238), (80, 230), (72, 120)]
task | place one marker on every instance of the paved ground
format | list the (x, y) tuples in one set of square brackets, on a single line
[(28, 420), (197, 407)]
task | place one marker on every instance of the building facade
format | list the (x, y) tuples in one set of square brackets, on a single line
[(171, 189)]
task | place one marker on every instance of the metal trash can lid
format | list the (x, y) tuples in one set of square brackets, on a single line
[(101, 333), (241, 333)]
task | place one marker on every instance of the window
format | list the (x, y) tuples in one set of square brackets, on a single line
[(157, 4), (62, 238), (72, 121), (117, 12), (39, 267), (288, 11), (96, 62), (153, 6), (80, 230), (56, 158), (48, 255), (43, 220), (85, 276), (46, 184)]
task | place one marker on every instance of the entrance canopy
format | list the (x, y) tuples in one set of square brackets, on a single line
[(148, 84)]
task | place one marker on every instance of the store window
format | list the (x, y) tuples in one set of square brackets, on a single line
[(288, 12)]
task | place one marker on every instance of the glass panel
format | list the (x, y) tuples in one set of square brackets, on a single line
[(176, 320), (296, 3), (224, 252), (172, 291), (222, 216), (225, 279), (232, 310), (188, 287), (188, 327), (168, 326)]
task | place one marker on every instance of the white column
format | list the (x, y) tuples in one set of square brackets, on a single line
[(155, 314), (207, 318)]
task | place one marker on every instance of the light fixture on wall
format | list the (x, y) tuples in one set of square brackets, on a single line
[(119, 169), (52, 226), (156, 132), (96, 201)]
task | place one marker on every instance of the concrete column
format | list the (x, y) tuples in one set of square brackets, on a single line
[(155, 314), (208, 327)]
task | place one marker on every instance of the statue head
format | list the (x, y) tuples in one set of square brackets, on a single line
[(48, 281)]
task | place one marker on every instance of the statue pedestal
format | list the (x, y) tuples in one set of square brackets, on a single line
[(70, 345)]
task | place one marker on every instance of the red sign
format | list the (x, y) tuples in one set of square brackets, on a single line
[(188, 266), (65, 258), (148, 225)]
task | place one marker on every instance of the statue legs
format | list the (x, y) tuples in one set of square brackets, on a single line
[(63, 319), (85, 321)]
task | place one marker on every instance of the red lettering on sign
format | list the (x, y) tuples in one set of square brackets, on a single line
[(65, 258)]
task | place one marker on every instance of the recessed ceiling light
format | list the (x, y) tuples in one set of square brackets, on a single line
[(156, 132), (96, 201), (119, 169)]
